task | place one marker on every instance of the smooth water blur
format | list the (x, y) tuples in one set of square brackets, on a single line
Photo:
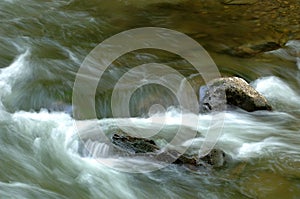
[(43, 43)]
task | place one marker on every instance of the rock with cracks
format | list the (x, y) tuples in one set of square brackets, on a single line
[(232, 91)]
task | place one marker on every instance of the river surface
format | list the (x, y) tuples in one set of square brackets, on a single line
[(43, 44)]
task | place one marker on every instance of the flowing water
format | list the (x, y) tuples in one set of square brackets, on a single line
[(43, 43)]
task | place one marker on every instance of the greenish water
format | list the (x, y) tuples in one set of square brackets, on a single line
[(42, 45)]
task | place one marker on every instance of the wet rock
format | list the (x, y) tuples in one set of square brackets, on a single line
[(133, 145), (216, 158), (232, 91)]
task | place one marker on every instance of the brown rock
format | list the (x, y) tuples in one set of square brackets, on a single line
[(234, 91)]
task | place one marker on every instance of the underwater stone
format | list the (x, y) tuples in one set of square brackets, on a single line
[(134, 145)]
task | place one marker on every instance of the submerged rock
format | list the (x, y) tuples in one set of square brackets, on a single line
[(233, 91), (251, 50), (216, 158), (134, 145)]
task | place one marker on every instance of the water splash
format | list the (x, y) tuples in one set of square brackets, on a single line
[(279, 93), (10, 75)]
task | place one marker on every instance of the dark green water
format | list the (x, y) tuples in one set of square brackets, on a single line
[(42, 45)]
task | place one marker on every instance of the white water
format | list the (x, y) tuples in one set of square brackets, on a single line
[(52, 144), (41, 148), (278, 93), (12, 75)]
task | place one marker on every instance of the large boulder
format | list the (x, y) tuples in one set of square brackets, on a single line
[(232, 91)]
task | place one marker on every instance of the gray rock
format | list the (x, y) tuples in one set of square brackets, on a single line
[(233, 91), (216, 158), (134, 146)]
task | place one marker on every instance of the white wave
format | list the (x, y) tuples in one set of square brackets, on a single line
[(96, 149), (48, 136), (57, 125), (16, 69), (10, 74), (258, 148), (278, 93)]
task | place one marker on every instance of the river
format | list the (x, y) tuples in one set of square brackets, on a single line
[(42, 46)]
